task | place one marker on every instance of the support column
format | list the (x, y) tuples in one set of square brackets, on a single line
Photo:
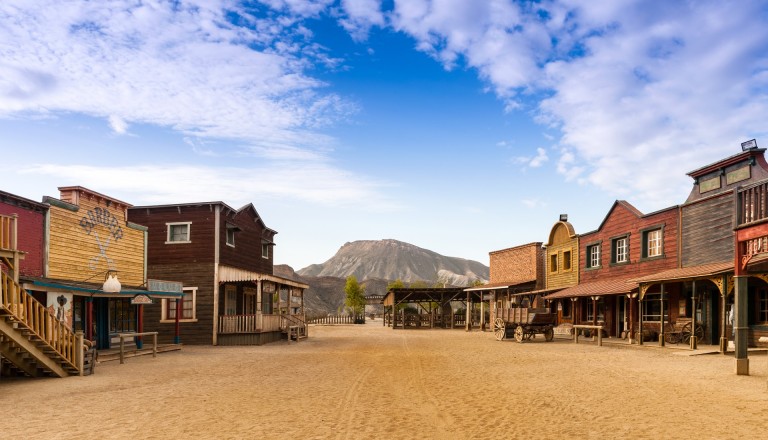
[(640, 320), (177, 330), (482, 312), (723, 321), (140, 313), (468, 319), (694, 339), (631, 331), (740, 324), (661, 331)]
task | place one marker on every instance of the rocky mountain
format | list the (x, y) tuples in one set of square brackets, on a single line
[(375, 264), (392, 259)]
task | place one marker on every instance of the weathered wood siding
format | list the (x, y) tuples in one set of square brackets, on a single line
[(622, 221), (30, 234), (91, 238), (246, 253), (201, 233), (200, 275), (561, 244), (708, 230)]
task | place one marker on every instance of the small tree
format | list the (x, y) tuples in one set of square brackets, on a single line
[(355, 296)]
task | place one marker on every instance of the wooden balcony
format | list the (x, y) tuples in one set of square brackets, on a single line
[(752, 204)]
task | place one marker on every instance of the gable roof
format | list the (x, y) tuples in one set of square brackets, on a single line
[(628, 206)]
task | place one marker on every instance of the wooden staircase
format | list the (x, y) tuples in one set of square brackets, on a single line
[(294, 327), (33, 342)]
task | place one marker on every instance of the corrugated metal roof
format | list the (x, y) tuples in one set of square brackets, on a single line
[(232, 274)]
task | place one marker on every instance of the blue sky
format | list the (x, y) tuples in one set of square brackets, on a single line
[(459, 126)]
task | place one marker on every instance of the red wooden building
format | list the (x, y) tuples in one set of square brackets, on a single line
[(628, 244), (224, 258)]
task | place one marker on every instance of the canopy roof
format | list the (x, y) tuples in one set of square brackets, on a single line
[(687, 273), (616, 286)]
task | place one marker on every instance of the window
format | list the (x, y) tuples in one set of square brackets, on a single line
[(552, 263), (620, 250), (178, 232), (565, 304), (250, 305), (763, 306), (567, 260), (600, 310), (230, 237), (593, 255), (652, 242), (265, 250), (230, 299), (188, 306), (652, 308)]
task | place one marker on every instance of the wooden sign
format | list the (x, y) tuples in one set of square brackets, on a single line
[(165, 286), (141, 299)]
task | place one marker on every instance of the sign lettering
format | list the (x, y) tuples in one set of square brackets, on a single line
[(101, 216)]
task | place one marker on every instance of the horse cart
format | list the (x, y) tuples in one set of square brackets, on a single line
[(524, 323)]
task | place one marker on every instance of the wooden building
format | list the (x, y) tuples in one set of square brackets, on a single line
[(94, 265), (562, 269), (224, 257), (628, 244), (723, 242)]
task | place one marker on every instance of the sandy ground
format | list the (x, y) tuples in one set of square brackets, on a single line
[(370, 382)]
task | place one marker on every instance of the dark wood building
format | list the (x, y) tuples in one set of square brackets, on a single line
[(224, 258)]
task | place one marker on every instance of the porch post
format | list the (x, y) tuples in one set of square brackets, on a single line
[(723, 317), (661, 331), (482, 312), (640, 319), (740, 325), (694, 341), (468, 323), (631, 331), (140, 312), (177, 335)]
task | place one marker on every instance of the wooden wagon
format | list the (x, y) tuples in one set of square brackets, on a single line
[(524, 323)]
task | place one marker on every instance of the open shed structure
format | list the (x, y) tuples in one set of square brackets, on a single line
[(434, 308)]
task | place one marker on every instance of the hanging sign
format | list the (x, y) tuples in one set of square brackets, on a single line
[(141, 299)]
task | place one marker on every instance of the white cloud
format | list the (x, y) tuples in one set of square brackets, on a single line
[(149, 184), (533, 162), (118, 124), (533, 203), (182, 65), (360, 16), (630, 85)]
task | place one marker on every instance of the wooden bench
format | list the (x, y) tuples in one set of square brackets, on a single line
[(598, 328), (123, 336)]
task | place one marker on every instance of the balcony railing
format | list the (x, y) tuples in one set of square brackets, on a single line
[(8, 232), (752, 204)]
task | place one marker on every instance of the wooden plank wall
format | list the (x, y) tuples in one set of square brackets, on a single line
[(561, 243), (708, 231), (200, 275), (82, 240), (201, 246), (246, 254)]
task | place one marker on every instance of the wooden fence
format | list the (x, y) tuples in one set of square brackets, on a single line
[(233, 324), (338, 319)]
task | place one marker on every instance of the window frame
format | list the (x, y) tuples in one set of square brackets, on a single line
[(615, 250), (230, 232), (554, 262), (597, 245), (567, 260), (168, 237), (762, 307), (265, 251), (166, 307), (646, 234)]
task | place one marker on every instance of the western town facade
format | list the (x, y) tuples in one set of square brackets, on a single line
[(224, 258)]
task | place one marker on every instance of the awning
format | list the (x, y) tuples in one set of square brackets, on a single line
[(233, 274), (94, 290), (499, 286), (686, 273), (426, 294), (616, 286)]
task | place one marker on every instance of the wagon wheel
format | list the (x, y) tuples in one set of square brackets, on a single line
[(686, 333), (519, 333), (499, 329), (549, 334)]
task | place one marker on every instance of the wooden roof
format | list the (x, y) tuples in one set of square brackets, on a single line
[(686, 273), (616, 286)]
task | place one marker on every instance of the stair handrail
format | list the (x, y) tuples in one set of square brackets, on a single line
[(294, 319), (36, 318)]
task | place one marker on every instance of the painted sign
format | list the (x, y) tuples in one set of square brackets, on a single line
[(738, 175), (709, 184), (141, 299), (165, 286)]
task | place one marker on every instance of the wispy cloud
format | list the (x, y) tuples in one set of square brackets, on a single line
[(311, 183)]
